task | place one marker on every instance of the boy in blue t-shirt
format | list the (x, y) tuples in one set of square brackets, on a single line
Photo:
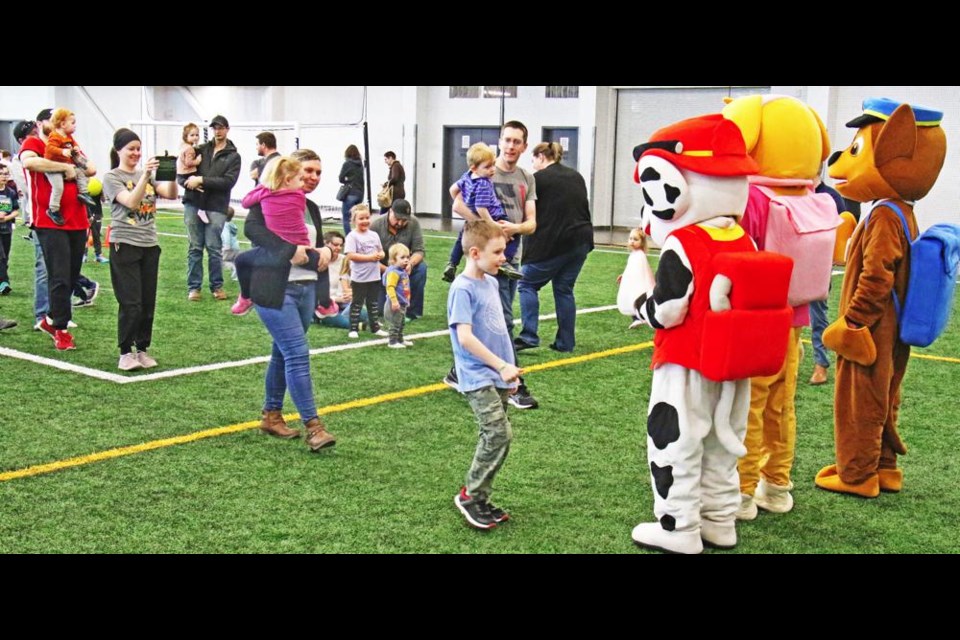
[(486, 368), (481, 197)]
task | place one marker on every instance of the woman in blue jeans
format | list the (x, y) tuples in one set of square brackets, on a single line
[(285, 299), (351, 174), (558, 248)]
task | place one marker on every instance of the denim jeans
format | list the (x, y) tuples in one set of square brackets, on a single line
[(563, 271), (41, 299), (348, 204), (818, 322), (418, 282), (204, 236), (289, 366), (342, 319)]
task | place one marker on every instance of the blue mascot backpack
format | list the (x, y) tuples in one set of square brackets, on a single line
[(934, 258)]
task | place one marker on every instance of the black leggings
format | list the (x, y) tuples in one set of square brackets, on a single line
[(368, 292)]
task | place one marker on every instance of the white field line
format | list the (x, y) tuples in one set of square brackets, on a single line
[(174, 373)]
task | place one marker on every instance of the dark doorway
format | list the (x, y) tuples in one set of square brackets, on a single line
[(569, 139), (456, 141)]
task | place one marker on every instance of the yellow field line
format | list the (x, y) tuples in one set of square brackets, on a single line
[(922, 356), (120, 452)]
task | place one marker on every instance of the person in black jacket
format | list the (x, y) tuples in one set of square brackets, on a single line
[(558, 248), (218, 173), (351, 174), (285, 294)]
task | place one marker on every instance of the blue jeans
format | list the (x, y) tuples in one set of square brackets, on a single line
[(204, 236), (290, 360), (563, 271), (342, 319), (41, 296), (818, 322), (418, 282), (348, 204)]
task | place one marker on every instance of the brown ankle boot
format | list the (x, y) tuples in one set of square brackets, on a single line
[(273, 424), (317, 435)]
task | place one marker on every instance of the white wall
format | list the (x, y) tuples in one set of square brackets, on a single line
[(436, 109)]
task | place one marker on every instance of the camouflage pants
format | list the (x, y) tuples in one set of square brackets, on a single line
[(489, 405), (395, 320)]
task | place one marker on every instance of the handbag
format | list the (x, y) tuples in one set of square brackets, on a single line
[(385, 197), (343, 192)]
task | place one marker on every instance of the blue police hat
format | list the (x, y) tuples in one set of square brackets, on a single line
[(880, 110)]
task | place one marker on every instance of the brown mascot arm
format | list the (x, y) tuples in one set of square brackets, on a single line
[(882, 253)]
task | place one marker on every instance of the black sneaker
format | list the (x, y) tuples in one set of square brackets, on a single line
[(7, 324), (522, 399), (449, 273), (498, 514), (451, 379), (476, 511), (86, 199), (506, 269), (56, 217), (521, 345)]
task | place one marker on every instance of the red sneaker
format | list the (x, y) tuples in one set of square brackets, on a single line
[(63, 341)]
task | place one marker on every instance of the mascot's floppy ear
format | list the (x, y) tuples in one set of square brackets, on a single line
[(898, 138), (824, 136), (748, 114)]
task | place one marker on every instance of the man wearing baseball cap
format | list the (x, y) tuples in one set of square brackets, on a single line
[(62, 246), (400, 226), (218, 173)]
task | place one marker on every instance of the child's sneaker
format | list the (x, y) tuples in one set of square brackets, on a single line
[(129, 362), (450, 272), (381, 333), (145, 361), (242, 306), (477, 512), (397, 345), (407, 343), (56, 217), (327, 312), (506, 269), (353, 334), (499, 515), (102, 259), (5, 288)]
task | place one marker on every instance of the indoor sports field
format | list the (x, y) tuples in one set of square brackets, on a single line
[(93, 460)]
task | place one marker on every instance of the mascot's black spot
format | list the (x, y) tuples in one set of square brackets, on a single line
[(668, 523), (672, 193), (673, 278), (652, 314), (664, 214), (649, 174), (647, 198), (663, 425), (662, 478), (642, 300)]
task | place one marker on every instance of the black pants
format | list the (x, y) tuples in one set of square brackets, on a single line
[(133, 272), (95, 227), (368, 292), (63, 254), (4, 255)]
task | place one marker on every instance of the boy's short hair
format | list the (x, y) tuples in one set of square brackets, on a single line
[(479, 154), (59, 116), (477, 233), (397, 249), (230, 213), (330, 235)]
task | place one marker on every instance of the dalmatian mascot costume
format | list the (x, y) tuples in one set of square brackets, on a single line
[(719, 310)]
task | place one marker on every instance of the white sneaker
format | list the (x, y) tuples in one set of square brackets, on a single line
[(145, 361), (382, 334), (129, 362), (407, 343), (70, 325), (397, 345), (747, 509), (353, 334), (773, 498)]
